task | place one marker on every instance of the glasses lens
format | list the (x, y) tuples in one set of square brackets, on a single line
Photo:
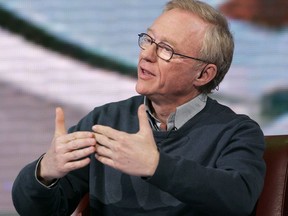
[(144, 40), (164, 51)]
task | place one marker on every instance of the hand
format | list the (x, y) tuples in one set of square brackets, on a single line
[(134, 154), (67, 151)]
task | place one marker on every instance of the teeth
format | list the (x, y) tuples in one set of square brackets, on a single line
[(147, 72)]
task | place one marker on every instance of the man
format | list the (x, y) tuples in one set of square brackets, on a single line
[(170, 151)]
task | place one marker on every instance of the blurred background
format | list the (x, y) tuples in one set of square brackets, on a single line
[(82, 54)]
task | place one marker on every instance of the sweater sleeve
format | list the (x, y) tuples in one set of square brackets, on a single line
[(31, 198), (230, 187)]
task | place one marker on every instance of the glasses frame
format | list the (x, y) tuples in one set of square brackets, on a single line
[(172, 50)]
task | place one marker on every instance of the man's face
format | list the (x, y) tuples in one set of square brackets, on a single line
[(172, 81)]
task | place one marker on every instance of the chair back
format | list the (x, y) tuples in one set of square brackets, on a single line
[(83, 207), (274, 198)]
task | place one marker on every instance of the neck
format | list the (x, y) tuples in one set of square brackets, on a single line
[(162, 107), (162, 112)]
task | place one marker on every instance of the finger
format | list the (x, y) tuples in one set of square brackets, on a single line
[(75, 136), (103, 140), (80, 143), (103, 151), (79, 154), (73, 165), (144, 125), (105, 160), (60, 128), (106, 131)]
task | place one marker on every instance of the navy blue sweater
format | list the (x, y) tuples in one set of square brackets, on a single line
[(212, 165)]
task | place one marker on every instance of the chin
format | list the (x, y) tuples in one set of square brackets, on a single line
[(141, 89)]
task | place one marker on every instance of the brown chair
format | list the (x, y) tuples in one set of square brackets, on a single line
[(274, 198), (83, 207)]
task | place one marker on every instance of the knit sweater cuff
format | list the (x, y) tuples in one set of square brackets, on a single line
[(164, 172)]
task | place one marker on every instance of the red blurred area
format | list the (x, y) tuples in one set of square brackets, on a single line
[(273, 13)]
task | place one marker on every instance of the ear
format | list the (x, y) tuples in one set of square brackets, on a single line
[(206, 75)]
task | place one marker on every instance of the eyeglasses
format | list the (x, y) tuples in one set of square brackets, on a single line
[(163, 50)]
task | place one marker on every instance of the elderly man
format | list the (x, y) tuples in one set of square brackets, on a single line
[(172, 150)]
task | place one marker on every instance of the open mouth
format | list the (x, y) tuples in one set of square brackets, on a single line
[(145, 72)]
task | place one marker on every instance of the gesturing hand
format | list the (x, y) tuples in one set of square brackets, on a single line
[(67, 151), (134, 154)]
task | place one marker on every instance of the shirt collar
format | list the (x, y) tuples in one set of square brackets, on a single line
[(182, 114)]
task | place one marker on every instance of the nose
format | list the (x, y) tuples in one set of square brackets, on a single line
[(149, 54)]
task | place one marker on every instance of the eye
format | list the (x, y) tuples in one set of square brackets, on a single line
[(147, 39), (165, 47)]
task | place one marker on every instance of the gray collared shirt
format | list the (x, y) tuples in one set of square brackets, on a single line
[(182, 114)]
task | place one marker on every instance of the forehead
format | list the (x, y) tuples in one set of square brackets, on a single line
[(178, 26)]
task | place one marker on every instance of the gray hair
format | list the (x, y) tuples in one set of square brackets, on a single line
[(218, 43)]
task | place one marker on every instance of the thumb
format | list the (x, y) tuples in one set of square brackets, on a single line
[(60, 128), (144, 125)]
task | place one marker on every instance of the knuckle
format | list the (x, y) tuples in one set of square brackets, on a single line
[(74, 155), (99, 138), (101, 150), (60, 168), (58, 148), (74, 144), (71, 166), (117, 147), (122, 138)]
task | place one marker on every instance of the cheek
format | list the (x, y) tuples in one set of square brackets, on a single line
[(180, 79), (167, 73), (176, 74)]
